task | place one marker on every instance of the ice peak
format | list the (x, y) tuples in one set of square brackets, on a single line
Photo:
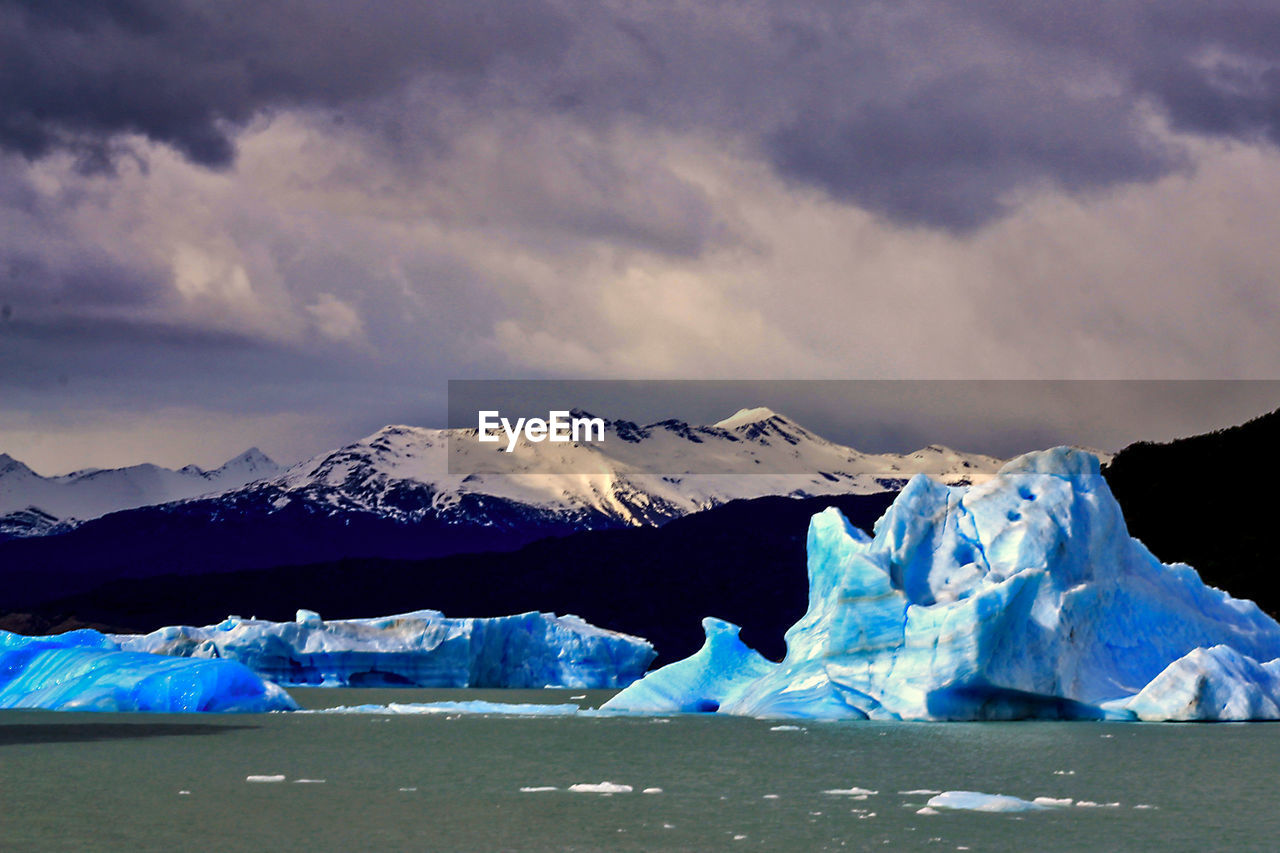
[(743, 417)]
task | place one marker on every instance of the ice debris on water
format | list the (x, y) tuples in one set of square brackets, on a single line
[(977, 801), (600, 788), (265, 778), (419, 649), (508, 709), (1021, 597)]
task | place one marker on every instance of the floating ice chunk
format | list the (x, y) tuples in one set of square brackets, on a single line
[(770, 796), (915, 792), (1020, 597), (308, 781), (85, 671), (1216, 683), (535, 790), (600, 788), (423, 649), (509, 709), (927, 810), (852, 792), (701, 683), (980, 802), (1053, 801), (652, 791), (785, 729), (265, 778)]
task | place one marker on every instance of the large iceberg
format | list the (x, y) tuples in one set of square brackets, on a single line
[(419, 649), (1021, 597), (87, 671)]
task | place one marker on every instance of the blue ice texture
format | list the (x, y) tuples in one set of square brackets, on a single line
[(1021, 597), (419, 649), (86, 671)]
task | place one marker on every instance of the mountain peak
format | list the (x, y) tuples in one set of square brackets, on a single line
[(743, 417), (252, 459), (9, 465)]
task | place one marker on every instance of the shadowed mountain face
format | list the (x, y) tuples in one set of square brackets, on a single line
[(1210, 501), (744, 561), (392, 495)]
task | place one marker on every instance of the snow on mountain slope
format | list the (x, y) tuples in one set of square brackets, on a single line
[(31, 504), (403, 472)]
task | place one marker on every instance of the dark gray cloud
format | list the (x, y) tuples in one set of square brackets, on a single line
[(78, 74), (239, 210), (929, 113), (926, 113)]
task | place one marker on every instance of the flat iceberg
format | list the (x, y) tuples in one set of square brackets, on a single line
[(506, 709), (703, 682), (419, 649), (976, 801), (86, 671), (1020, 597)]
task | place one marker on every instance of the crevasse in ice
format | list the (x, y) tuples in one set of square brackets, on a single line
[(86, 671), (1024, 596), (423, 649)]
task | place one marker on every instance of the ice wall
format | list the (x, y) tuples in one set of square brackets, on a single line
[(422, 649), (1021, 597), (86, 671)]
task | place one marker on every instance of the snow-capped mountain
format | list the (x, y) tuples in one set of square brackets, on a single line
[(638, 475), (34, 505)]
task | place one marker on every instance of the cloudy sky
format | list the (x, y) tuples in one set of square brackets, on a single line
[(287, 222)]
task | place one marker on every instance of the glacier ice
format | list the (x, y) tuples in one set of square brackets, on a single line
[(703, 682), (86, 671), (1020, 597), (1217, 683), (421, 649)]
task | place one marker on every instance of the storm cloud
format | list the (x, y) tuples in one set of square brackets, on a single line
[(931, 113), (307, 215)]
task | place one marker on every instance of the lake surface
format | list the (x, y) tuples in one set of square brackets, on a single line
[(451, 782)]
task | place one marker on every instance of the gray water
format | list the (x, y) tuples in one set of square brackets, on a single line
[(115, 782)]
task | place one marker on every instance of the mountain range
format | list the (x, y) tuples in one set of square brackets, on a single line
[(32, 505), (392, 495), (743, 560)]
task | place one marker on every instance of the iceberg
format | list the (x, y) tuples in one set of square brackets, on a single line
[(977, 801), (703, 682), (86, 671), (1217, 683), (418, 649), (1020, 597)]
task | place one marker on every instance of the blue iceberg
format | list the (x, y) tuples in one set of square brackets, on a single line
[(1021, 597), (710, 678), (86, 671), (419, 649)]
